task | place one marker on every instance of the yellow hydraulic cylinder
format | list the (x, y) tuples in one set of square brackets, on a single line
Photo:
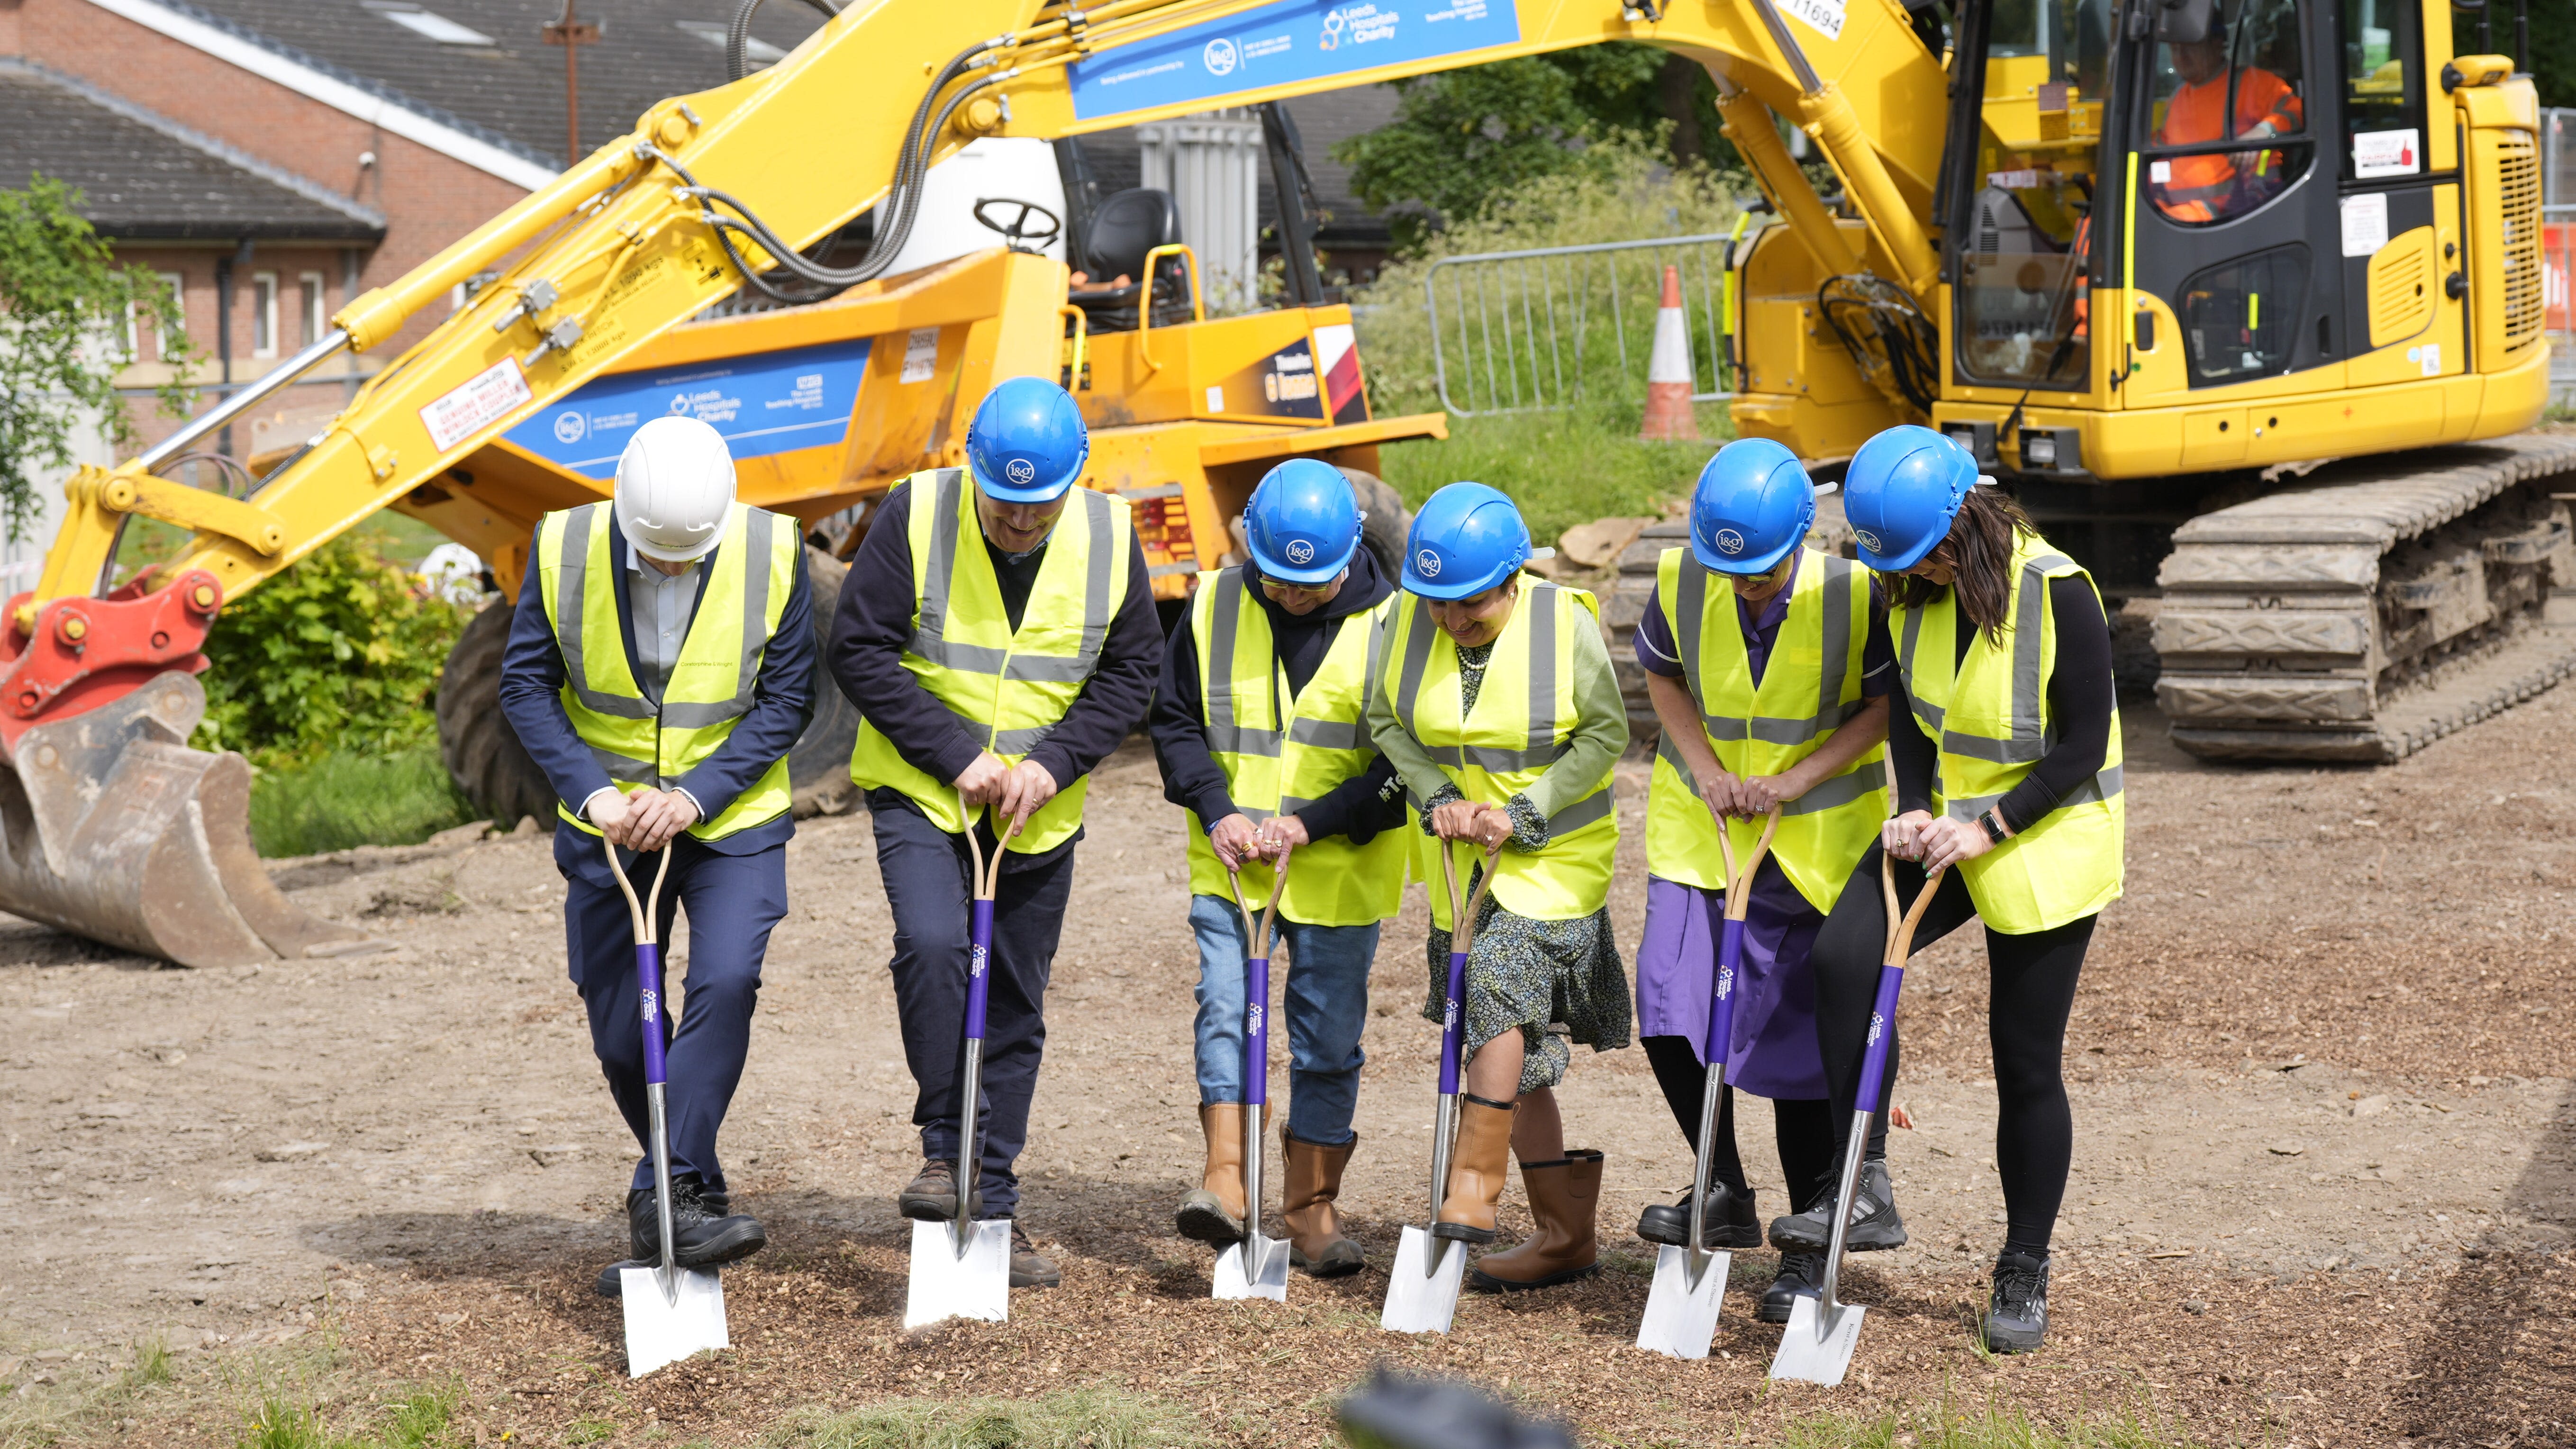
[(1747, 123), (1827, 115)]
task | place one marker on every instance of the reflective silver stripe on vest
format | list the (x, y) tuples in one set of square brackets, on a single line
[(1226, 734), (1592, 809), (572, 584), (1840, 790), (930, 641), (626, 768), (1692, 605), (1926, 713), (759, 537), (2030, 738), (1542, 676), (2101, 787), (1329, 734), (1004, 742)]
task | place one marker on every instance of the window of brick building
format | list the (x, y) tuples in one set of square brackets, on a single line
[(317, 309), (263, 314)]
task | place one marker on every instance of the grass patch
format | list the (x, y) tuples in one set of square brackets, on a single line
[(1990, 1428), (1562, 468), (1091, 1418), (341, 800), (421, 1419)]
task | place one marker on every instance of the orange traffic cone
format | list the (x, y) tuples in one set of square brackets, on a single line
[(1668, 370)]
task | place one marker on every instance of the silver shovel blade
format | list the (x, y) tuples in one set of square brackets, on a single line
[(663, 1330), (1257, 1268), (1419, 1301), (1814, 1351), (947, 1283), (1681, 1316)]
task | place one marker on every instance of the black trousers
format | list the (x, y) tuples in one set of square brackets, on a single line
[(1802, 1128), (929, 882), (2031, 980)]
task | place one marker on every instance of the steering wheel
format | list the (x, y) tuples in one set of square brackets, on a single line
[(1017, 234)]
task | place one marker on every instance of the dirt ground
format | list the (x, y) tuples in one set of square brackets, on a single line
[(2323, 1193)]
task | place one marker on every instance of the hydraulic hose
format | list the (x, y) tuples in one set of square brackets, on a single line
[(738, 35)]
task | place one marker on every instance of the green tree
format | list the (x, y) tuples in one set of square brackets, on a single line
[(1461, 138), (64, 312)]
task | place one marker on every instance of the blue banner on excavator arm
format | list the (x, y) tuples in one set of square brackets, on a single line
[(764, 403), (1281, 44)]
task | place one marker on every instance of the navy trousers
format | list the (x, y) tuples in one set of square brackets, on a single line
[(732, 901), (929, 882)]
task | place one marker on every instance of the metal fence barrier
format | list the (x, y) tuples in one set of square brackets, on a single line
[(1529, 331)]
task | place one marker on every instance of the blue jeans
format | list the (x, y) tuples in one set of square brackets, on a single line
[(1326, 1006)]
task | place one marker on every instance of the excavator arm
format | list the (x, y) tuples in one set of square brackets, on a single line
[(118, 831)]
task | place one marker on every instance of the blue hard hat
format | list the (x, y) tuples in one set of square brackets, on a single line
[(1466, 539), (1027, 444), (1901, 491), (1753, 504), (1303, 522)]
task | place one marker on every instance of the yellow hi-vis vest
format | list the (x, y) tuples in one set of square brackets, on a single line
[(1523, 719), (1990, 716), (1810, 685), (1008, 689), (641, 742), (1278, 761)]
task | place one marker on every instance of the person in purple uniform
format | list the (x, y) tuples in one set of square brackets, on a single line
[(1769, 666)]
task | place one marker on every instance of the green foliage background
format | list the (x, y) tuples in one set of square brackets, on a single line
[(340, 652)]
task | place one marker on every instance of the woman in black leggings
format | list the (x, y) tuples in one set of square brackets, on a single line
[(2005, 739)]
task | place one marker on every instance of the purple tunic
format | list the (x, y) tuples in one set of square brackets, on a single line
[(1774, 1054)]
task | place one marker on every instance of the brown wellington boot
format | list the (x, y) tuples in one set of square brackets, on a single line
[(1315, 1241), (1214, 1212), (1563, 1195), (1478, 1167)]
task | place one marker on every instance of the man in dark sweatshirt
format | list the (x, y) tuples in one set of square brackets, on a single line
[(997, 631), (1260, 727)]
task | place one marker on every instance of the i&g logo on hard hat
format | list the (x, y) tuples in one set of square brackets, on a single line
[(1020, 471), (1729, 541), (1220, 56), (1867, 540), (1300, 551), (1427, 563)]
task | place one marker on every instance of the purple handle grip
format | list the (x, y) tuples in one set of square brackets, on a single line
[(1256, 1031), (1720, 1046), (1450, 1028), (1882, 1027), (648, 987), (979, 958)]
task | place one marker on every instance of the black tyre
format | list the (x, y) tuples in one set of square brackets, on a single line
[(482, 753), (1388, 522)]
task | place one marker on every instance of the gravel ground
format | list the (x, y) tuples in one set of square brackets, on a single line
[(2323, 1191)]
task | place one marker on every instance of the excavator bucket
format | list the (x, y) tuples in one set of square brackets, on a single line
[(112, 828)]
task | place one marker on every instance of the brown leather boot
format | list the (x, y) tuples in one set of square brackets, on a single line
[(1214, 1212), (1478, 1167), (1315, 1241), (1563, 1196)]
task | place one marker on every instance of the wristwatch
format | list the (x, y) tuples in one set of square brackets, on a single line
[(1993, 821)]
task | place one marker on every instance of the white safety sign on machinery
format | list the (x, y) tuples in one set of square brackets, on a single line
[(485, 398), (2365, 223)]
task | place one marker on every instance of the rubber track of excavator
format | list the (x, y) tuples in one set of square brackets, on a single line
[(2270, 626)]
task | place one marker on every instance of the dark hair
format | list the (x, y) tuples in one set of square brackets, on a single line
[(1978, 553)]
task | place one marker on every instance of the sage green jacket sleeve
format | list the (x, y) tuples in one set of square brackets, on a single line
[(1600, 728)]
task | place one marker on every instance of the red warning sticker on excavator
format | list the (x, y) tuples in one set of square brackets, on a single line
[(486, 398)]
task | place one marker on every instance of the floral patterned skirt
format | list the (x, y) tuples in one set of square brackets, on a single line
[(1532, 976)]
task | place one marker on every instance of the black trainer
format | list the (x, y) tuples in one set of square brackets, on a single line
[(1876, 1229), (931, 1196), (705, 1231), (1732, 1221), (1802, 1275), (1029, 1267), (2017, 1315)]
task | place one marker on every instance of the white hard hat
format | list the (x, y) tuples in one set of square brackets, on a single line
[(674, 483)]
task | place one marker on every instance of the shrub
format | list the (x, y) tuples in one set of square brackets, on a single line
[(340, 652)]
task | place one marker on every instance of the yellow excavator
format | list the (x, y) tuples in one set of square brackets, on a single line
[(2242, 297)]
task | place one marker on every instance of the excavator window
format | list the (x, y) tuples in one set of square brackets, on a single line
[(2240, 319), (2383, 88), (2226, 72), (2024, 297)]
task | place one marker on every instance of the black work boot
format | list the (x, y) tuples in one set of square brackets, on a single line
[(1802, 1275), (704, 1229), (1732, 1222), (611, 1282), (1876, 1229), (1030, 1268), (2017, 1314), (931, 1196)]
